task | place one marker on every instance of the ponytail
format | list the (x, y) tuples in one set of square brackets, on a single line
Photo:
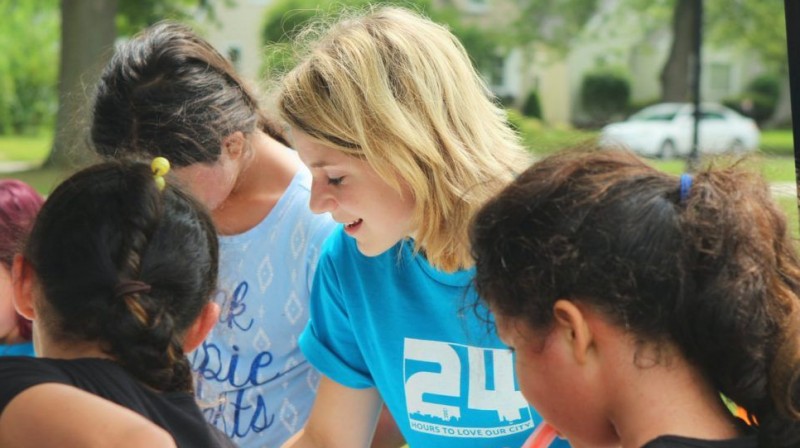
[(709, 267)]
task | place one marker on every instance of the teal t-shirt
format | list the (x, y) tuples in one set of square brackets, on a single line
[(21, 349), (396, 323)]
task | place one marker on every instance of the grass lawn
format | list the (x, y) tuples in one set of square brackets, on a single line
[(44, 180), (32, 149), (773, 168), (777, 142)]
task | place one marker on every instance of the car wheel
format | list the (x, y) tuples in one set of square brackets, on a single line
[(667, 150)]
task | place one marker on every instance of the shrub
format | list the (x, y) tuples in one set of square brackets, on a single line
[(605, 93), (532, 107), (759, 99)]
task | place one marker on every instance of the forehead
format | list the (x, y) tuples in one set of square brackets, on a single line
[(318, 155)]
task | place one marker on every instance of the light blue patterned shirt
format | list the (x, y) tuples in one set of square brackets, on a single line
[(252, 380)]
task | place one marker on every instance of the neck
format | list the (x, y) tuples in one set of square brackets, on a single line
[(669, 398), (66, 348), (12, 337), (262, 181)]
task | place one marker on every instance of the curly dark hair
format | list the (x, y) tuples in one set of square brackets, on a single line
[(714, 273)]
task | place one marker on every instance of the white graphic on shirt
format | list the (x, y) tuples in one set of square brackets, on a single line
[(456, 390)]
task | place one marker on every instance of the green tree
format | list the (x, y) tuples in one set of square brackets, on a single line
[(27, 72), (286, 18), (675, 75), (759, 27), (87, 39), (554, 24)]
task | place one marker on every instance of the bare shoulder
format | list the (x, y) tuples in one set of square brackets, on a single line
[(53, 414)]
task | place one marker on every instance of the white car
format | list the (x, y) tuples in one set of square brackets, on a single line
[(665, 130)]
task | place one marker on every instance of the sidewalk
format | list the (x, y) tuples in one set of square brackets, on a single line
[(13, 167), (784, 189)]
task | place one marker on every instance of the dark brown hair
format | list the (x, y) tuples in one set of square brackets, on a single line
[(108, 226), (167, 92), (714, 272)]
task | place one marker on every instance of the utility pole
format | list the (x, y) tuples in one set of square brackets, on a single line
[(792, 9), (697, 64)]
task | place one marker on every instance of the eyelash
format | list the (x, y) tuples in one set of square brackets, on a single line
[(336, 181)]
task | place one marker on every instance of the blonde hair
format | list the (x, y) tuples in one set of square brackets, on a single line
[(398, 90)]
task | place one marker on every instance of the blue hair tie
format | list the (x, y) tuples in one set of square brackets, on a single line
[(686, 186)]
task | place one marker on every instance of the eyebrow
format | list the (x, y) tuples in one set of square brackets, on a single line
[(320, 164)]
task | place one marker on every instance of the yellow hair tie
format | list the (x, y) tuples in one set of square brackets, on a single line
[(160, 167)]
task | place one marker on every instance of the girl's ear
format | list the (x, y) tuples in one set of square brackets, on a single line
[(234, 144), (573, 326), (23, 278), (201, 327)]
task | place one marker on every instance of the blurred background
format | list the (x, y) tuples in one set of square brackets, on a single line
[(564, 69)]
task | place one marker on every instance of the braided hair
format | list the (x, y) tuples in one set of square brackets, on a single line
[(107, 226)]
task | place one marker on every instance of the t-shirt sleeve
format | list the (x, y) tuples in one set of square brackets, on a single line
[(328, 341), (20, 373)]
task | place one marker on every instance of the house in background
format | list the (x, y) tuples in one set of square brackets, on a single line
[(618, 38), (236, 33), (614, 37)]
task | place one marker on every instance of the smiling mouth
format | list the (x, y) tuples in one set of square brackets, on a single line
[(353, 224)]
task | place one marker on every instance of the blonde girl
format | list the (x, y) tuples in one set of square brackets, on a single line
[(404, 143)]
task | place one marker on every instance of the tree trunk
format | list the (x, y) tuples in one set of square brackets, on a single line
[(88, 31), (675, 76), (783, 110)]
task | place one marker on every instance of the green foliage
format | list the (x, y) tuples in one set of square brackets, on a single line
[(28, 66), (778, 142), (532, 107), (759, 99), (768, 85), (553, 23), (135, 15), (758, 26), (286, 18), (540, 139), (29, 45), (605, 93)]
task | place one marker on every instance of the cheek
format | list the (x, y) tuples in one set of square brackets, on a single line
[(7, 312), (210, 189), (558, 391), (538, 385)]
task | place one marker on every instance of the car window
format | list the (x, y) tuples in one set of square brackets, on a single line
[(712, 115), (655, 115)]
